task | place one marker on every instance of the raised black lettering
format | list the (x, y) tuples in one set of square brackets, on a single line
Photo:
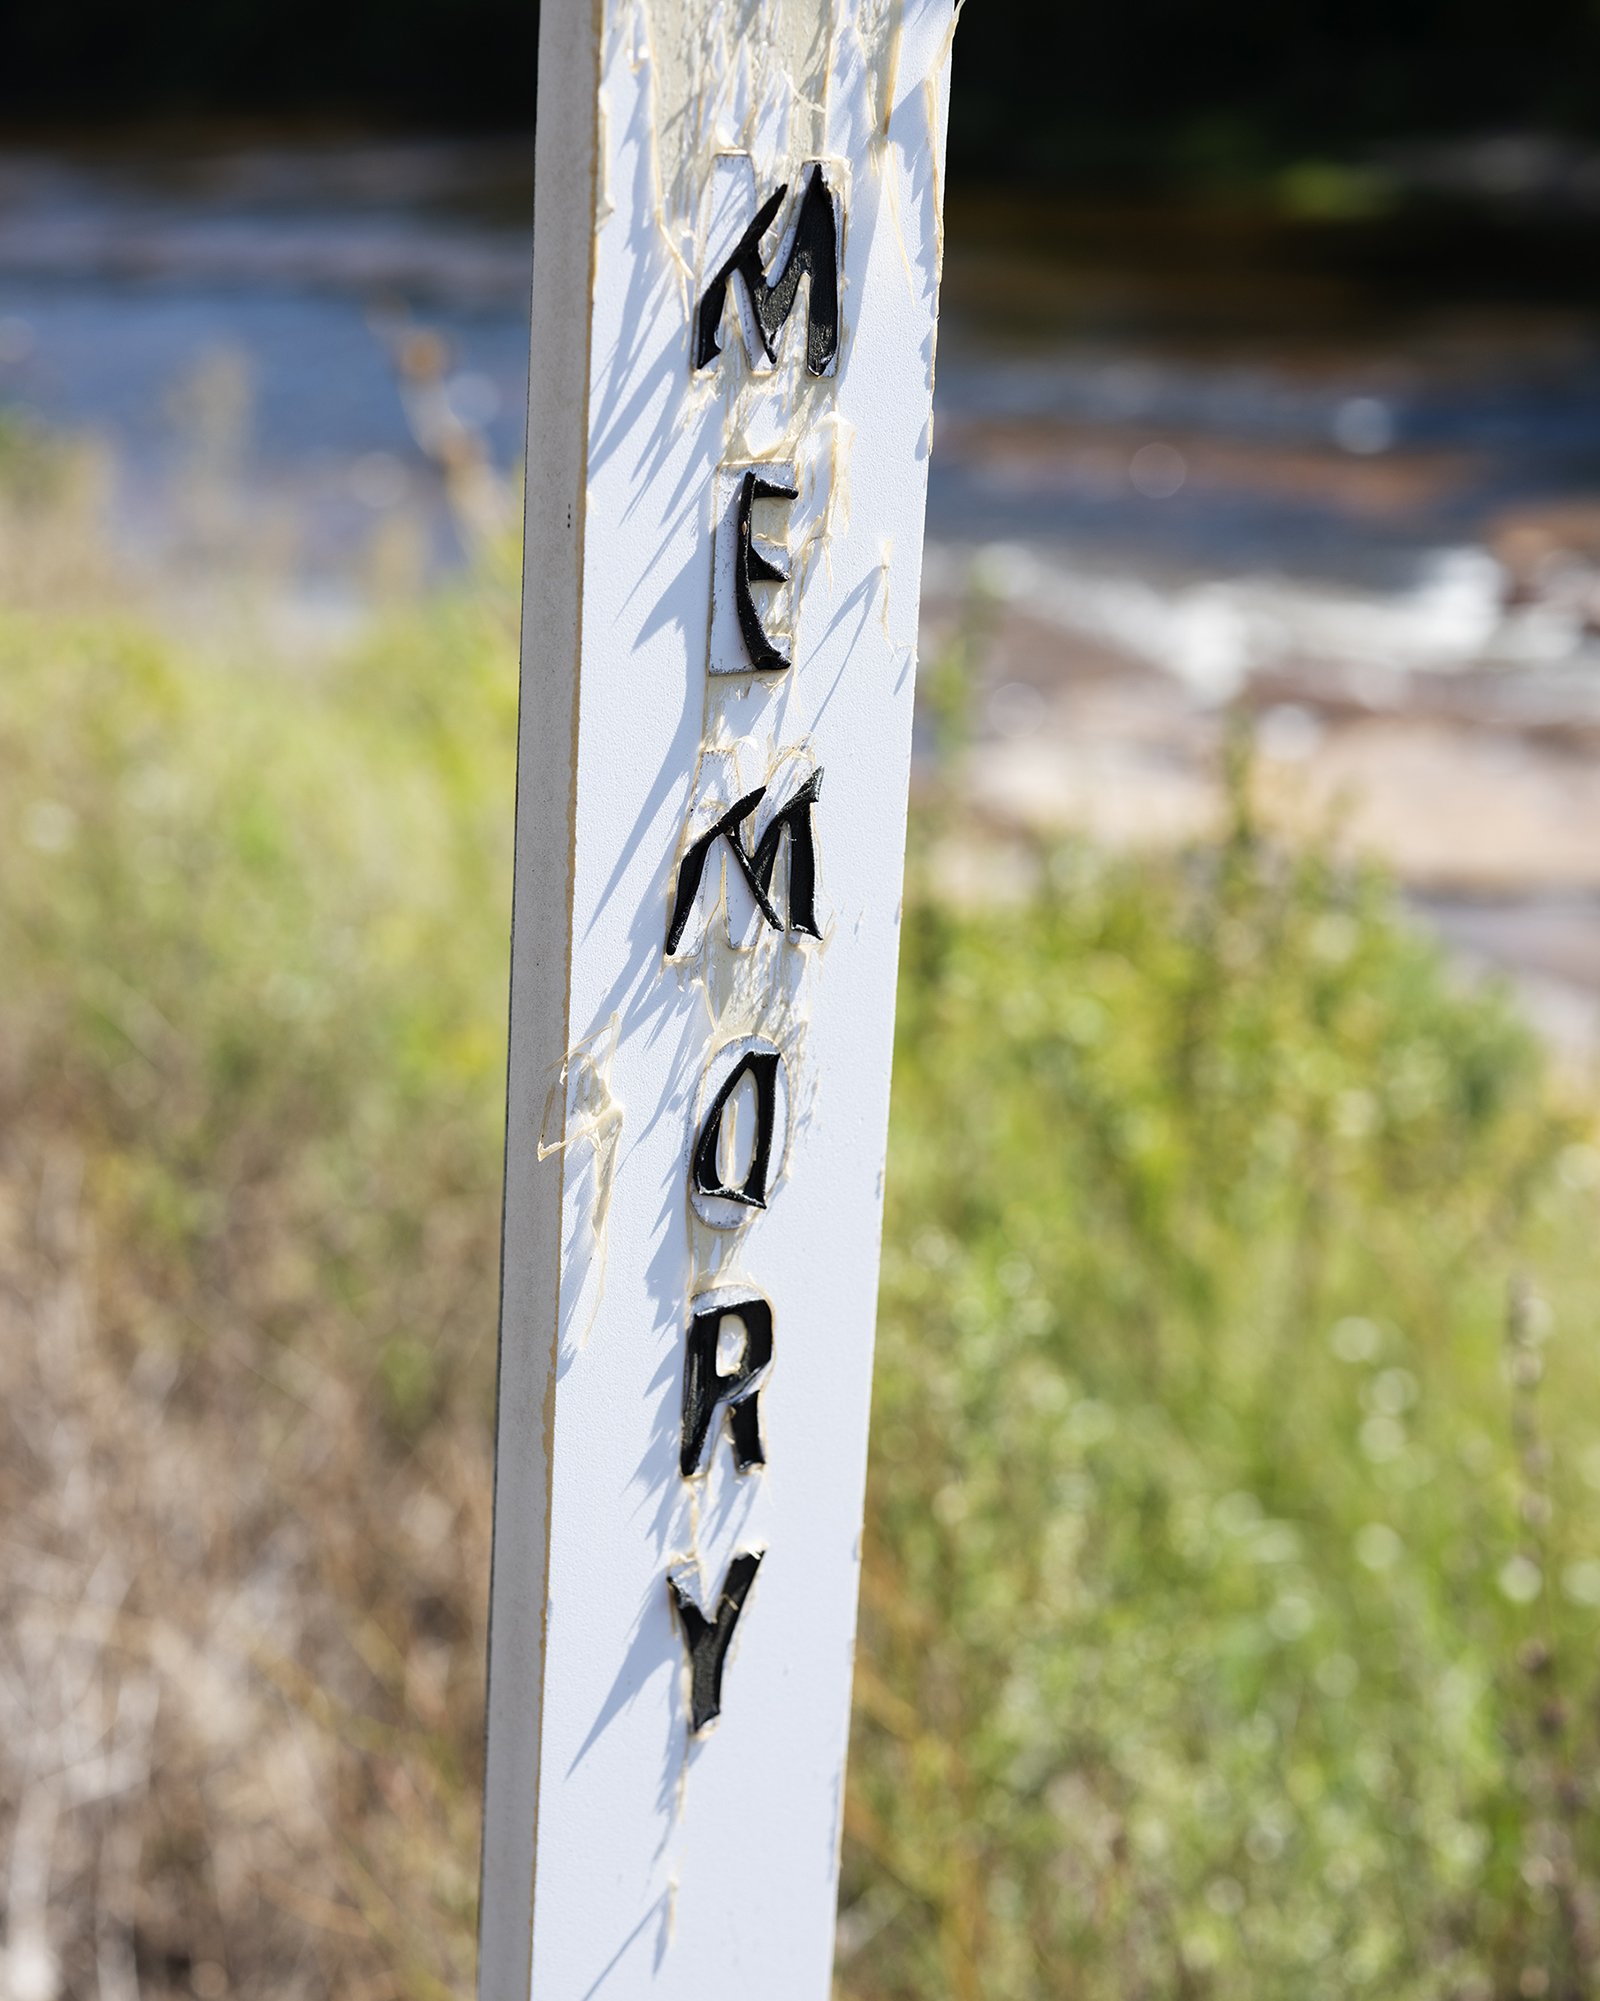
[(750, 566), (761, 1067), (757, 864), (707, 1641), (707, 1389), (814, 254)]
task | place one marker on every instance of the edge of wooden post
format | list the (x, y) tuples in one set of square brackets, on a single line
[(541, 950)]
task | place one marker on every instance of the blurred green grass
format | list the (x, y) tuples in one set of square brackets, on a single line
[(1227, 1628), (1233, 1546)]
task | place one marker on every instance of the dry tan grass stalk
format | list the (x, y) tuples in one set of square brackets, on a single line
[(240, 1642)]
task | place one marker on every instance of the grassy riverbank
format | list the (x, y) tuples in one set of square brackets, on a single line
[(1234, 1533)]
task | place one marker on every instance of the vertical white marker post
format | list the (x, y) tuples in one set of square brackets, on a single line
[(736, 261)]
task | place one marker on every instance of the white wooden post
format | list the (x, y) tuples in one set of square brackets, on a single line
[(736, 259)]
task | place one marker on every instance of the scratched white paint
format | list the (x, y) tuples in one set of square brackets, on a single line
[(623, 1856)]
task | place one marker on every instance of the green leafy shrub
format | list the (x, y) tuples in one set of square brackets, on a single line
[(1233, 1548), (1206, 1648)]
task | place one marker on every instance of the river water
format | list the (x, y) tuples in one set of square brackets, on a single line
[(1287, 427), (1184, 461)]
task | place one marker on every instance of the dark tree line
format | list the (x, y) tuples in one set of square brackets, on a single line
[(1122, 94)]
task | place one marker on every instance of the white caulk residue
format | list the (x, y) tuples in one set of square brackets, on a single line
[(583, 1120)]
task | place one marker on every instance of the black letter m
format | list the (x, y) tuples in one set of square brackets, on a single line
[(757, 864), (813, 254)]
